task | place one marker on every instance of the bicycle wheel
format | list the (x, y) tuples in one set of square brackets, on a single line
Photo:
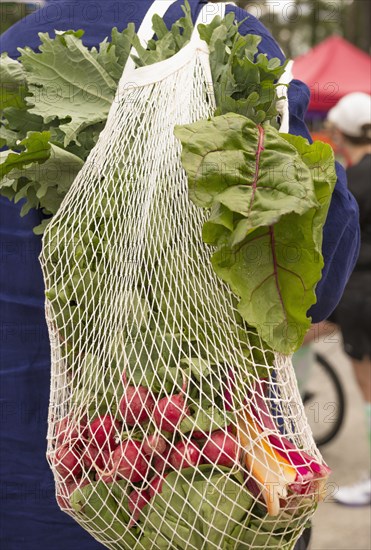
[(324, 401)]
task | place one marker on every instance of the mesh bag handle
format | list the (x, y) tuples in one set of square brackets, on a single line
[(162, 68), (283, 103)]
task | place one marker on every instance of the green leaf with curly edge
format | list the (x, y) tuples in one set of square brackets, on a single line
[(66, 80), (22, 121), (12, 83), (275, 269), (42, 174), (122, 42), (8, 137), (250, 170), (36, 148), (168, 41), (243, 82), (114, 54)]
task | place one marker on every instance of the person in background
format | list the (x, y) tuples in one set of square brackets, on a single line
[(30, 516), (350, 121)]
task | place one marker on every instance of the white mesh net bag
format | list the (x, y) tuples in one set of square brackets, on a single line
[(170, 426)]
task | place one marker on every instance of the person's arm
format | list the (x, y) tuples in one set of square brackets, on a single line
[(341, 235)]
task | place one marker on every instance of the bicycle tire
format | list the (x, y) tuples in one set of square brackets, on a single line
[(341, 401)]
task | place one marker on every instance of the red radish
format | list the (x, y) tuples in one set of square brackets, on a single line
[(222, 448), (137, 501), (161, 463), (105, 473), (155, 485), (103, 430), (136, 405), (93, 457), (169, 412), (129, 462), (154, 443), (199, 435), (185, 455), (67, 461), (63, 431)]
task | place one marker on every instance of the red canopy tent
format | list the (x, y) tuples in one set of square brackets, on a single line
[(333, 69)]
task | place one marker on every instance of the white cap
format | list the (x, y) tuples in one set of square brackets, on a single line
[(351, 113)]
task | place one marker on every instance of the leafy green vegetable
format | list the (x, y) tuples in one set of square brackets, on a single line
[(245, 538), (66, 89), (34, 148), (251, 171), (266, 221), (244, 80), (206, 420), (278, 288), (101, 506), (41, 173), (13, 84), (201, 505), (67, 80), (167, 42), (54, 104), (268, 193), (263, 530)]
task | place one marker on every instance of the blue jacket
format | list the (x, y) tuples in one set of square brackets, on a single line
[(31, 518)]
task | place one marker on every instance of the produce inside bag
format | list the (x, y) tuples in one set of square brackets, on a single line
[(173, 307)]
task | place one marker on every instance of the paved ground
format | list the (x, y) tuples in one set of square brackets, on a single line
[(337, 527)]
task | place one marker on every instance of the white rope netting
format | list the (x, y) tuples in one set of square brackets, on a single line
[(164, 406)]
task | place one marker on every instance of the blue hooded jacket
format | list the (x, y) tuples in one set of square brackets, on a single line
[(30, 517)]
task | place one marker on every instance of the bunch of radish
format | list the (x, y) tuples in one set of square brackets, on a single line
[(96, 451)]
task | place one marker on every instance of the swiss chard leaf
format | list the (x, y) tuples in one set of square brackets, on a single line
[(278, 287), (319, 158), (244, 169)]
